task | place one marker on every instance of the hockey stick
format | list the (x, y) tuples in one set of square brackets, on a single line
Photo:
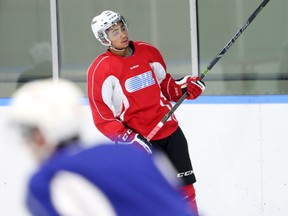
[(209, 67)]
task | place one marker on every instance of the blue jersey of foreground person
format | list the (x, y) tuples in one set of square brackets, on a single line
[(104, 180)]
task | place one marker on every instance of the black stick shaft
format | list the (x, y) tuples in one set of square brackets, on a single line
[(212, 63), (234, 38)]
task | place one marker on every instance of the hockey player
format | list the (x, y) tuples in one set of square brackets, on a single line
[(77, 180), (130, 91)]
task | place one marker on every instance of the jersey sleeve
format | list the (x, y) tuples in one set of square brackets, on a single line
[(170, 89), (100, 94)]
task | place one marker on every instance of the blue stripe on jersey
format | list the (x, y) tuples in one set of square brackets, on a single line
[(138, 82)]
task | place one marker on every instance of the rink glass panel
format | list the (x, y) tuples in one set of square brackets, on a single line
[(256, 64), (25, 43)]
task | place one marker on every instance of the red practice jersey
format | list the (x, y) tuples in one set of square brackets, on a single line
[(133, 92)]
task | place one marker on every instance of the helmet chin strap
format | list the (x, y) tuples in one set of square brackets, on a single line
[(118, 50)]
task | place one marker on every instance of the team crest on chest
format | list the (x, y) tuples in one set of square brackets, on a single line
[(140, 81)]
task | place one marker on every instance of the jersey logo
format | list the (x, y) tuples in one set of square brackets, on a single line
[(133, 67), (183, 174), (138, 82)]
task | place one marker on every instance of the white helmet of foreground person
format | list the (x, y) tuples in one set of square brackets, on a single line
[(52, 107), (103, 22)]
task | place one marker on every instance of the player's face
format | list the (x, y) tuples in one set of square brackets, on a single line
[(118, 35)]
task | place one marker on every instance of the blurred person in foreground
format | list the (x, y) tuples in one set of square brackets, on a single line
[(74, 179)]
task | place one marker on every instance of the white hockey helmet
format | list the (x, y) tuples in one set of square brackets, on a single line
[(103, 22), (53, 107)]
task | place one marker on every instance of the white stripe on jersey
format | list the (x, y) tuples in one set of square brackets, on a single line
[(74, 195)]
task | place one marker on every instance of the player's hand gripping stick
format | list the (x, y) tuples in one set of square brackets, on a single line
[(130, 137), (209, 67)]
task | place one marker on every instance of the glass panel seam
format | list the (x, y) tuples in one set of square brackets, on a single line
[(54, 39)]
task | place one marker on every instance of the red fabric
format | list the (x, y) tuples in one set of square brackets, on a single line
[(127, 91), (190, 196), (193, 89), (171, 89)]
